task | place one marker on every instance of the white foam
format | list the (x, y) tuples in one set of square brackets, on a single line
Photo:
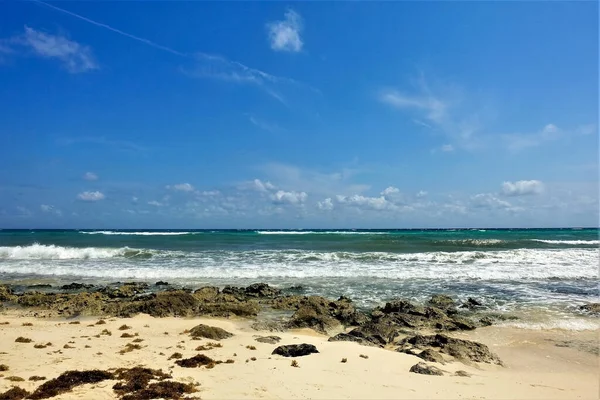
[(574, 324), (319, 233), (521, 264), (139, 233), (477, 242), (573, 242), (52, 252)]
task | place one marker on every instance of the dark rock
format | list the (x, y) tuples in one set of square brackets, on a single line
[(486, 321), (39, 286), (268, 339), (462, 373), (295, 350), (209, 332), (315, 318), (235, 291), (403, 307), (422, 368), (471, 304), (592, 308), (443, 302), (431, 355), (207, 293), (261, 290), (295, 289), (372, 334), (271, 326), (76, 286), (161, 283), (464, 350), (6, 293)]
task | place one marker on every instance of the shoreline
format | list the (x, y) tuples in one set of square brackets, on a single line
[(534, 367), (380, 346)]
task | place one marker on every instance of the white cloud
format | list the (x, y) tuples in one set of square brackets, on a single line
[(90, 176), (74, 57), (90, 196), (421, 194), (364, 202), (522, 188), (282, 197), (155, 203), (285, 35), (390, 190), (182, 187), (447, 148), (258, 185), (489, 201), (50, 209), (264, 125), (325, 205), (435, 109), (210, 193), (23, 212), (134, 199)]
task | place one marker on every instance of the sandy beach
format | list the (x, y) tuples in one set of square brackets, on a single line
[(550, 364)]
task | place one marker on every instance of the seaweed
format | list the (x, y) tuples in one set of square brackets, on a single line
[(66, 381)]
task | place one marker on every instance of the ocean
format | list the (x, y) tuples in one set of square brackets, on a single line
[(543, 274)]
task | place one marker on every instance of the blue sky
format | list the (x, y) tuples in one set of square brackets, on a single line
[(298, 115)]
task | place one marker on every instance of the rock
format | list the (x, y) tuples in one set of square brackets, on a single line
[(371, 334), (174, 303), (271, 326), (76, 286), (486, 321), (431, 355), (422, 368), (268, 339), (462, 373), (6, 293), (261, 290), (403, 307), (295, 289), (592, 308), (161, 283), (209, 332), (315, 318), (464, 350), (443, 302), (295, 350), (39, 286), (207, 293), (471, 304)]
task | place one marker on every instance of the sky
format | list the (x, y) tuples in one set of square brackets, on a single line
[(298, 115)]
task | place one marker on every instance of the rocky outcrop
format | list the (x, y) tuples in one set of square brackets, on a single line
[(295, 350), (209, 332), (463, 350), (76, 286), (371, 334), (591, 308), (425, 369), (268, 339), (6, 293)]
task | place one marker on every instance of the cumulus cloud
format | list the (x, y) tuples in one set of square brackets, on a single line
[(90, 176), (90, 196), (50, 209), (155, 203), (257, 185), (282, 197), (325, 205), (522, 188), (365, 202), (489, 201), (285, 35), (181, 187), (421, 194), (74, 57)]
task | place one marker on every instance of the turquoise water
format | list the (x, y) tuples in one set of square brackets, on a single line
[(553, 269)]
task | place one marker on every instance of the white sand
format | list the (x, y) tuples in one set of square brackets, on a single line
[(536, 367)]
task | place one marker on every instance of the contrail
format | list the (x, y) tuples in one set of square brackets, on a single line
[(110, 28)]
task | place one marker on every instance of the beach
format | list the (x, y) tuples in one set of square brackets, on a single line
[(477, 314), (535, 367)]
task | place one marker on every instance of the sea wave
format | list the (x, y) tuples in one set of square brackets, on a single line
[(52, 252), (137, 233), (571, 242), (320, 233), (128, 262)]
